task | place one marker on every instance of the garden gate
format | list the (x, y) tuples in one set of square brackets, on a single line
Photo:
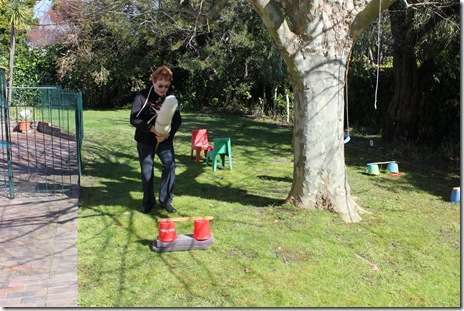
[(41, 140)]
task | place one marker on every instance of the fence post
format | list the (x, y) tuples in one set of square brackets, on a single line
[(5, 119)]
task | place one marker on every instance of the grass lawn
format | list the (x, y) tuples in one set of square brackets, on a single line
[(266, 253)]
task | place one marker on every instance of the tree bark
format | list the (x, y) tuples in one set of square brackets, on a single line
[(319, 174)]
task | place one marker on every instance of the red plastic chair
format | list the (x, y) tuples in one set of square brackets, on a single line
[(200, 143)]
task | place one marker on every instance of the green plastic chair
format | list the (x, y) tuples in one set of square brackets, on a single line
[(223, 148)]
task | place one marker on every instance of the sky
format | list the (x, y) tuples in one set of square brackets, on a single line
[(42, 7)]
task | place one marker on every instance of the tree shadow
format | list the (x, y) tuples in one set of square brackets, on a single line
[(415, 176), (113, 179), (119, 180)]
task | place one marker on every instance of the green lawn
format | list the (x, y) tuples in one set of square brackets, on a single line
[(266, 253)]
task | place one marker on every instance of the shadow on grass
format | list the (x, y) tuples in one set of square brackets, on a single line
[(145, 242), (112, 179), (415, 176), (117, 177), (118, 180)]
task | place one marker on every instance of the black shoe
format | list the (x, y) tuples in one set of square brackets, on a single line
[(168, 207), (146, 210)]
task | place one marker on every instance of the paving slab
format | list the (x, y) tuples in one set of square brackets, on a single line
[(38, 250)]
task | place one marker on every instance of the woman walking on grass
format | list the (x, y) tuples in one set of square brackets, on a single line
[(147, 104)]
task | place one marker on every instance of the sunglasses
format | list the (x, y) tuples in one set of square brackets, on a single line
[(163, 86)]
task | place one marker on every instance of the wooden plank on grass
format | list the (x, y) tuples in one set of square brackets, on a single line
[(382, 162), (186, 218)]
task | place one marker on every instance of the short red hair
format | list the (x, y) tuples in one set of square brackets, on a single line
[(161, 72)]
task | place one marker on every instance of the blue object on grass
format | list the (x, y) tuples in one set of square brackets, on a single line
[(456, 195), (346, 138)]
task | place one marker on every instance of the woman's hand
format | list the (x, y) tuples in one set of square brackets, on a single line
[(162, 138), (159, 137)]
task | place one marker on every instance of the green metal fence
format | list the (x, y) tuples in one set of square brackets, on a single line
[(41, 140)]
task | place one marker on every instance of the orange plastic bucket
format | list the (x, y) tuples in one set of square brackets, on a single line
[(167, 231), (201, 230)]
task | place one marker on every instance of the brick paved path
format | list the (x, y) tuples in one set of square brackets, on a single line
[(38, 255)]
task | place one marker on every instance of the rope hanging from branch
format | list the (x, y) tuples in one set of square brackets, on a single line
[(378, 56), (346, 93)]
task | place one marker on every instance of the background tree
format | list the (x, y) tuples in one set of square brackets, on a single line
[(370, 84), (413, 74), (110, 47), (19, 15), (238, 60), (437, 62)]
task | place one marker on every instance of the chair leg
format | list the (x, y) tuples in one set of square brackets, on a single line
[(223, 160), (230, 162), (214, 163)]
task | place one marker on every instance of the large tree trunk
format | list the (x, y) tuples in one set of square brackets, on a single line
[(315, 51), (402, 120), (319, 175)]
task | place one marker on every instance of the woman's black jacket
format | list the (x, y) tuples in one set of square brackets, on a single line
[(142, 129)]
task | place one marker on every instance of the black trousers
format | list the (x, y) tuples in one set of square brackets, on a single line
[(165, 153)]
